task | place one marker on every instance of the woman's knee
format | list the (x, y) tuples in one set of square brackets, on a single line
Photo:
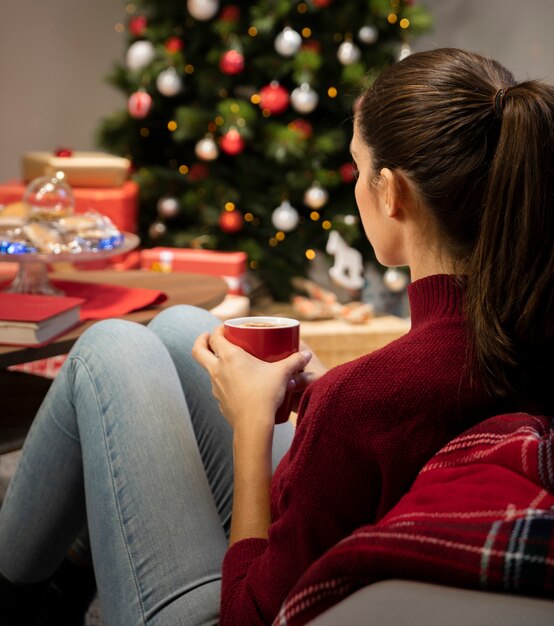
[(113, 339)]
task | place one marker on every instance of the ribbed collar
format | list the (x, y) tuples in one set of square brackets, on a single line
[(439, 295)]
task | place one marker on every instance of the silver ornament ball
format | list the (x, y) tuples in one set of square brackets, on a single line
[(315, 197), (348, 53), (285, 217), (368, 34), (139, 55), (304, 99), (168, 206), (169, 82), (288, 42), (206, 149), (395, 280), (203, 9), (157, 230)]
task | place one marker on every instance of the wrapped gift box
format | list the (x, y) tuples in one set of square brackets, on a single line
[(120, 204), (231, 266), (81, 169)]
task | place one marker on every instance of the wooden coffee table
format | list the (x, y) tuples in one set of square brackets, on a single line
[(21, 393)]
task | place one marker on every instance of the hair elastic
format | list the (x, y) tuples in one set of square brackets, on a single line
[(499, 102)]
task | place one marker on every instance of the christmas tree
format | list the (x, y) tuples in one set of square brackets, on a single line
[(239, 121)]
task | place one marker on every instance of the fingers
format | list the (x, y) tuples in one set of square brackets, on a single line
[(202, 352)]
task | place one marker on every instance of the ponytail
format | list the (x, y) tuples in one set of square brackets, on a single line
[(479, 149), (510, 297)]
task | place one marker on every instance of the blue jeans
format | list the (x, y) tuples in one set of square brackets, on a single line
[(131, 443)]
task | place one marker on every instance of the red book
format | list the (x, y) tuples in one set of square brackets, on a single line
[(32, 320)]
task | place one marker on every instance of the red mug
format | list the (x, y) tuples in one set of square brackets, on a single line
[(269, 339)]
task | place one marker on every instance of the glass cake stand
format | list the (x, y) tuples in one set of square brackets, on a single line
[(32, 276)]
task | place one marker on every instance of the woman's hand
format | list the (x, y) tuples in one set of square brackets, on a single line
[(300, 380), (248, 390)]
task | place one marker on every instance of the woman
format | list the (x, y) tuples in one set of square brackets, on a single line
[(455, 166)]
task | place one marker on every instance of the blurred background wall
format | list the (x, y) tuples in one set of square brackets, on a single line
[(54, 56)]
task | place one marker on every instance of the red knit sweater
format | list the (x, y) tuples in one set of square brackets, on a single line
[(364, 430)]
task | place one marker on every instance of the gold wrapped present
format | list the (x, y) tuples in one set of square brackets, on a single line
[(81, 169)]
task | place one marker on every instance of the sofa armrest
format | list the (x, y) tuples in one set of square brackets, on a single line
[(406, 603)]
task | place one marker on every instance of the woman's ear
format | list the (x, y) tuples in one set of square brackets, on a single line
[(389, 192), (398, 196)]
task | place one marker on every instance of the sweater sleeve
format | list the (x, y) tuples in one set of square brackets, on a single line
[(319, 495)]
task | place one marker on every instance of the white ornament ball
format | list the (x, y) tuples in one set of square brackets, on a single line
[(288, 42), (140, 54), (169, 83), (404, 51), (168, 206), (304, 99), (285, 217), (315, 197), (348, 53), (368, 34), (157, 230), (203, 9), (206, 149), (395, 280)]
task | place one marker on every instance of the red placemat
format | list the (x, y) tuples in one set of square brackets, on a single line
[(103, 300)]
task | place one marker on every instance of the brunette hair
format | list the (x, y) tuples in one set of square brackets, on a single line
[(479, 147)]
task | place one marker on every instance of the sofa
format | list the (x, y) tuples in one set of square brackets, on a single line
[(472, 542)]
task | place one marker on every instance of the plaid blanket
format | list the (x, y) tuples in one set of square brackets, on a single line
[(479, 515)]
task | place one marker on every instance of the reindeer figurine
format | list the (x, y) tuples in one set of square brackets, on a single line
[(348, 268)]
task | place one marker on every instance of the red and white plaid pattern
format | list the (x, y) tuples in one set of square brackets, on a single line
[(479, 515)]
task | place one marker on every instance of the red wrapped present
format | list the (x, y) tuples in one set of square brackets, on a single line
[(231, 266), (120, 204), (81, 169)]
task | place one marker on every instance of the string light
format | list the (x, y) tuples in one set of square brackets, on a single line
[(252, 31), (172, 126), (314, 215), (273, 242), (219, 120), (130, 9), (235, 108), (230, 206), (248, 217), (119, 27), (310, 254), (144, 132), (183, 169), (266, 113), (189, 69), (280, 235), (302, 7), (326, 224), (256, 98), (241, 122), (404, 22), (392, 18), (254, 265), (332, 92), (306, 32), (212, 127)]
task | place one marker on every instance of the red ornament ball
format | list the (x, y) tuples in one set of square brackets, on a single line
[(231, 221), (198, 171), (232, 142), (139, 104), (274, 98), (347, 172), (174, 45), (231, 62), (137, 25), (63, 152), (230, 13), (302, 127)]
